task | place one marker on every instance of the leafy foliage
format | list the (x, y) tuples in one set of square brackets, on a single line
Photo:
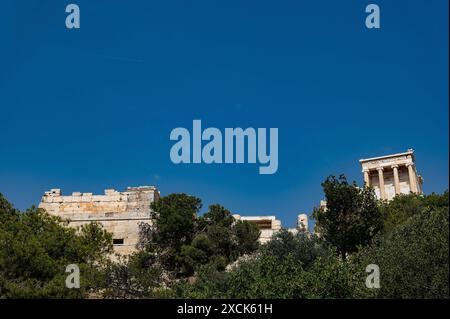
[(351, 217), (173, 254), (35, 249), (183, 255), (304, 248), (414, 257), (411, 252), (137, 276), (402, 207)]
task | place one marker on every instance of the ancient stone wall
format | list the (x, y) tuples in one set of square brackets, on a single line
[(120, 213)]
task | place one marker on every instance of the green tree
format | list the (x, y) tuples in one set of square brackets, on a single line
[(35, 249), (197, 253), (174, 218), (246, 237), (294, 266), (266, 277), (331, 277), (219, 240), (403, 206), (182, 242), (351, 217), (136, 276), (288, 266), (399, 209), (305, 248), (413, 258), (209, 283), (436, 200)]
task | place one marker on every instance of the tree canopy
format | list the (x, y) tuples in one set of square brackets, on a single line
[(351, 217), (186, 255), (35, 249)]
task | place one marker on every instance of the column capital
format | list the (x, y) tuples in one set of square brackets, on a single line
[(365, 170), (409, 164), (381, 168), (394, 166)]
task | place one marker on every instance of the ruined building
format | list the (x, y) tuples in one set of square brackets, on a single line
[(119, 212)]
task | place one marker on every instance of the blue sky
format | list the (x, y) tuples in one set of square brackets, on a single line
[(89, 109)]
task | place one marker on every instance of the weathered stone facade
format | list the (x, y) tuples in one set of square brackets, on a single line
[(119, 212)]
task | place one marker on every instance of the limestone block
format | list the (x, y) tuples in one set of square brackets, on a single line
[(76, 199), (67, 199), (47, 199), (99, 198), (267, 233), (109, 191), (55, 191), (276, 224), (57, 199), (54, 206), (86, 198), (114, 198), (118, 212)]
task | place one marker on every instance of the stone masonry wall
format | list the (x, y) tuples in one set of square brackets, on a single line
[(120, 213)]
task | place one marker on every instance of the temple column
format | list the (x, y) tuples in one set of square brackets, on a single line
[(396, 179), (366, 178), (412, 178), (381, 182)]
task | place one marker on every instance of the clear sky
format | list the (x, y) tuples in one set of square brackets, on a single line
[(92, 108)]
